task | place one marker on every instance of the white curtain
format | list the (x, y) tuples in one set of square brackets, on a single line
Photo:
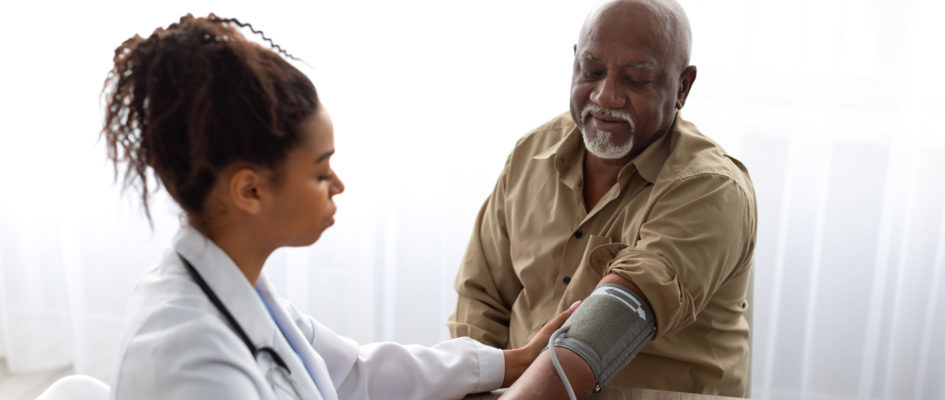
[(833, 105)]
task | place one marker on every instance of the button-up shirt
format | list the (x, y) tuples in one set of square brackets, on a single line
[(680, 223)]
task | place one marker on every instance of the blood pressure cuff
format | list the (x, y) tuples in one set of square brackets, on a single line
[(607, 330)]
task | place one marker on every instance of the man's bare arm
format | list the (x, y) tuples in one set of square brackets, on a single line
[(541, 380)]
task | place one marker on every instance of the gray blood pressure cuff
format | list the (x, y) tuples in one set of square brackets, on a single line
[(607, 330)]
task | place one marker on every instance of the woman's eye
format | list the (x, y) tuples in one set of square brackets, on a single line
[(326, 177)]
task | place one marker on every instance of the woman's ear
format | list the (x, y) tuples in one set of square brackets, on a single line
[(243, 189)]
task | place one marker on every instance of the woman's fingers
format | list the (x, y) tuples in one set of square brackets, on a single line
[(558, 320)]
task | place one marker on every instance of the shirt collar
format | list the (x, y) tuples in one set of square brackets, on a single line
[(651, 160), (648, 163), (568, 147), (568, 157)]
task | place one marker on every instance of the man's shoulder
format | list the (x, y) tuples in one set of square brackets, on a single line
[(545, 135), (561, 124), (694, 154)]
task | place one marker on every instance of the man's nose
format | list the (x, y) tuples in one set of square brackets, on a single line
[(608, 94)]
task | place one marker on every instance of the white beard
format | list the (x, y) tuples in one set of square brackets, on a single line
[(603, 146)]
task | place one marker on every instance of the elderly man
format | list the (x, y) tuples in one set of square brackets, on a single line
[(625, 195)]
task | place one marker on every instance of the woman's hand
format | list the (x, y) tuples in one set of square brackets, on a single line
[(518, 360)]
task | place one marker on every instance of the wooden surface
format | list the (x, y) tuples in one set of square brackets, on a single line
[(625, 393)]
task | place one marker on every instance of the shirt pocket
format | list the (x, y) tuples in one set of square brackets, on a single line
[(590, 269)]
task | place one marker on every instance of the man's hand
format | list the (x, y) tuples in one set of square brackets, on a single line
[(518, 360)]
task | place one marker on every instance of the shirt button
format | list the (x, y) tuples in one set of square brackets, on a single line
[(566, 280), (578, 234)]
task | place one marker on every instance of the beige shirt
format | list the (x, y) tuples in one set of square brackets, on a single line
[(680, 223)]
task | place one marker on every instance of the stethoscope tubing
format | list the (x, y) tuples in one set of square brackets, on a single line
[(229, 317)]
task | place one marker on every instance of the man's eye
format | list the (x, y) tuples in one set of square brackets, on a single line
[(326, 177), (591, 74), (637, 83)]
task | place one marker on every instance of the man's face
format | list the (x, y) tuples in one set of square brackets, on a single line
[(624, 85)]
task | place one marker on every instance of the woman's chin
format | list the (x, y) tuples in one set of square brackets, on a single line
[(313, 236), (306, 241), (313, 239)]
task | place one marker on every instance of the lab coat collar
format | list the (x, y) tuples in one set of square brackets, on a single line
[(235, 292), (317, 366)]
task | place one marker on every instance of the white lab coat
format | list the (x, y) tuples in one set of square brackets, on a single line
[(177, 345)]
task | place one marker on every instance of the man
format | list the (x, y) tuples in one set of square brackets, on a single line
[(621, 191)]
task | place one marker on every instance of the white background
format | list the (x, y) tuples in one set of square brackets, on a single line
[(833, 105)]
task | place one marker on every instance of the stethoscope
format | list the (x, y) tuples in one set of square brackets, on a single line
[(229, 317)]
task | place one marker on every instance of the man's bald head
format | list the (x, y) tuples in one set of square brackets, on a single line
[(668, 24)]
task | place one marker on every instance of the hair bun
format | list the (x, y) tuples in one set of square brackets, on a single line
[(196, 96)]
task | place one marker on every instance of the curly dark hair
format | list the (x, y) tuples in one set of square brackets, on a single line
[(196, 97)]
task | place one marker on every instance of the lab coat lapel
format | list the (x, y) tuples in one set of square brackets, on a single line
[(225, 279), (318, 370)]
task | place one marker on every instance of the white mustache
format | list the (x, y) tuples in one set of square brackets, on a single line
[(606, 111)]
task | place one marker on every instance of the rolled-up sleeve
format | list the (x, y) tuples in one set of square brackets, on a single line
[(697, 233), (486, 284)]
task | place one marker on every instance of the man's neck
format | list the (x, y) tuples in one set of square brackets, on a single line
[(599, 176)]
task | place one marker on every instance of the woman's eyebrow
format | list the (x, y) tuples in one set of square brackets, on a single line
[(325, 156)]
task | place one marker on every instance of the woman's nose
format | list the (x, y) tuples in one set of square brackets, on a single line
[(338, 186)]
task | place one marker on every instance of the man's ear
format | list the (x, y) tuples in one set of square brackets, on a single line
[(243, 188), (686, 78)]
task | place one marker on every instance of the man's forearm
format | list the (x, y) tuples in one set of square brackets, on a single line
[(614, 298), (517, 361), (541, 381)]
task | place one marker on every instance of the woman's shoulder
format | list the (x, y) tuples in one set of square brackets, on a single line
[(168, 309), (171, 333), (167, 295), (173, 357)]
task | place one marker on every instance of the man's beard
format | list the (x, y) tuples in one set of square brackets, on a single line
[(602, 145)]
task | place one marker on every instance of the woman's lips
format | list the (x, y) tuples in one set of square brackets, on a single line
[(331, 217)]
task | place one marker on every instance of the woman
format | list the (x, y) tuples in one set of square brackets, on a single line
[(238, 138)]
